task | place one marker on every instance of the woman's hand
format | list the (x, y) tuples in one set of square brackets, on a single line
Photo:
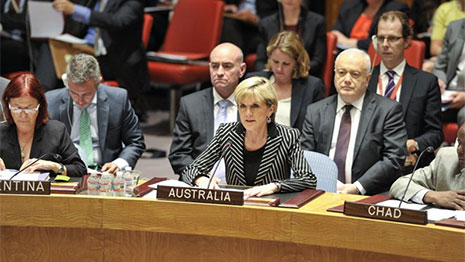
[(259, 191), (64, 6), (40, 165), (203, 182), (2, 164)]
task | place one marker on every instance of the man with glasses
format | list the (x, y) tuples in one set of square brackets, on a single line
[(362, 132), (201, 113), (417, 91)]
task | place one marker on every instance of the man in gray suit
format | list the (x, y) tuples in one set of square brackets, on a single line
[(362, 132), (3, 83), (450, 69), (99, 118), (441, 183), (195, 123)]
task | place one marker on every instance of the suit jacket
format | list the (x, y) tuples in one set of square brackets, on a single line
[(420, 98), (350, 11), (446, 64), (49, 138), (443, 174), (193, 130), (117, 123), (380, 149), (313, 36), (305, 91), (282, 152)]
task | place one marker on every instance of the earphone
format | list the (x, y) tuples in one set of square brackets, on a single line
[(64, 78), (374, 41)]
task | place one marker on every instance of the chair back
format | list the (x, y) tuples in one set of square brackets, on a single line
[(147, 29), (324, 169), (331, 49), (414, 54), (195, 27)]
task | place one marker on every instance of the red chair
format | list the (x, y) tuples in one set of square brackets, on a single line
[(414, 54), (193, 32), (450, 132), (147, 29), (331, 50)]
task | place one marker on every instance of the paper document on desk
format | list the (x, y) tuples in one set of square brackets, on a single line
[(45, 21), (435, 214), (34, 176), (67, 38), (395, 203), (169, 182)]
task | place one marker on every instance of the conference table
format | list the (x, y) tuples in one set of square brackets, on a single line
[(94, 228)]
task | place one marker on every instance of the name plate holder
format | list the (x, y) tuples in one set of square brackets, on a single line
[(202, 195), (385, 213), (24, 187)]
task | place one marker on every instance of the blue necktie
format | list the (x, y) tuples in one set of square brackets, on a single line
[(391, 85), (222, 115)]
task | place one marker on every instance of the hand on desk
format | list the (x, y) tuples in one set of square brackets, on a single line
[(110, 167), (203, 182), (347, 189), (447, 199), (40, 165), (2, 164), (259, 191)]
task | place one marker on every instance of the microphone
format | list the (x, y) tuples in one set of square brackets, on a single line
[(227, 145), (56, 157), (429, 149)]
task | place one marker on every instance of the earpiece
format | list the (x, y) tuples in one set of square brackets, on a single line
[(374, 41), (64, 78)]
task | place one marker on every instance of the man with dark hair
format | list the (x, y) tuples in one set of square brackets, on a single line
[(417, 91)]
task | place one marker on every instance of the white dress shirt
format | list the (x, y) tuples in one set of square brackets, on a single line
[(399, 69)]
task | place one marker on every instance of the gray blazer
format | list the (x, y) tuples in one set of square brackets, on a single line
[(441, 175), (380, 149), (193, 130), (446, 64), (119, 132)]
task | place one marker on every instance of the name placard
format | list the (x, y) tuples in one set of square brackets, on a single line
[(24, 187), (194, 194), (385, 213)]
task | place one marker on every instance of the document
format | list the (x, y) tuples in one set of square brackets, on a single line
[(70, 39), (34, 176), (395, 203), (45, 21)]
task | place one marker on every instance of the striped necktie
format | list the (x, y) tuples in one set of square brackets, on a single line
[(391, 85)]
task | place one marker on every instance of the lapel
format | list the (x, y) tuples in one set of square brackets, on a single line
[(36, 148), (327, 116), (207, 112), (236, 162), (369, 106), (14, 145), (65, 110), (457, 48), (408, 85), (273, 142), (373, 83), (103, 113), (297, 96)]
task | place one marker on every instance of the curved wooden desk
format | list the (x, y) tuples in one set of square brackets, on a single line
[(86, 228)]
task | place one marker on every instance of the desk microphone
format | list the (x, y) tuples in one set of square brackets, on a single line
[(227, 145), (429, 149), (56, 157)]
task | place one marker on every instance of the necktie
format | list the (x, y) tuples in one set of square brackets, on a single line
[(343, 143), (222, 115), (99, 47), (390, 86), (85, 138)]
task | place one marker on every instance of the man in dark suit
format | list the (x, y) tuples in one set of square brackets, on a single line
[(114, 28), (198, 112), (362, 132), (417, 91), (450, 69), (99, 118)]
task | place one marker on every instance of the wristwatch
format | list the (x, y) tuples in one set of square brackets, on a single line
[(416, 146), (61, 170)]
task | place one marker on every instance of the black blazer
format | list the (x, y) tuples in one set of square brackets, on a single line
[(51, 137), (420, 98), (305, 91), (380, 149), (313, 36), (282, 152), (350, 11)]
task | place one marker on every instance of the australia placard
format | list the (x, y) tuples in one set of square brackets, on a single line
[(24, 187), (195, 194)]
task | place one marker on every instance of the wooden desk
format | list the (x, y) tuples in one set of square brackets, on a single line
[(87, 228)]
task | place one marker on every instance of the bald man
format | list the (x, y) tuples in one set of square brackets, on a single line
[(200, 113)]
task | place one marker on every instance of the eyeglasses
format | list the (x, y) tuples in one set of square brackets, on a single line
[(343, 72), (28, 111), (390, 38)]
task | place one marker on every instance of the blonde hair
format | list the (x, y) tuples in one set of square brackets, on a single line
[(290, 43), (261, 89)]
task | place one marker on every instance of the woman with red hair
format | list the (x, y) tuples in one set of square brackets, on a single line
[(28, 134)]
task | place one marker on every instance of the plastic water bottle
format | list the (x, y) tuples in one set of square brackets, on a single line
[(128, 181), (106, 184), (119, 185), (93, 184)]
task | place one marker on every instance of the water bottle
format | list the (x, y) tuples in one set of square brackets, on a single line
[(128, 181), (93, 184), (119, 185), (106, 184)]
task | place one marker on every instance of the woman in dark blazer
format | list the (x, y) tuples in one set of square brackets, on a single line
[(257, 151), (287, 68), (310, 26), (27, 133), (351, 10)]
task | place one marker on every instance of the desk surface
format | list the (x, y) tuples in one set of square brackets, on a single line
[(186, 223)]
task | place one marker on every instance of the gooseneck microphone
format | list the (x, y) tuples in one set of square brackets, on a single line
[(56, 157), (429, 149), (227, 146)]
